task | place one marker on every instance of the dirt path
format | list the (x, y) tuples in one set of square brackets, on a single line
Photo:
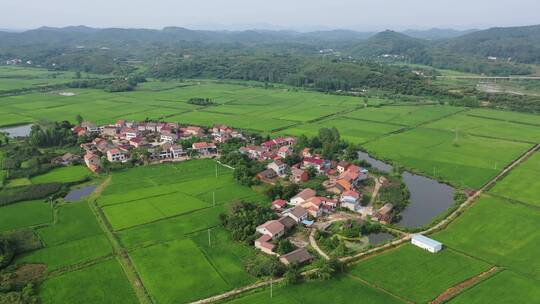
[(376, 190), (315, 246), (118, 250), (457, 289)]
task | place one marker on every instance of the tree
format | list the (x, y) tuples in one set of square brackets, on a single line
[(79, 119), (284, 246), (292, 275)]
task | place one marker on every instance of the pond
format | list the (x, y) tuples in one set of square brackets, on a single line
[(375, 163), (77, 194), (17, 131), (379, 237), (429, 198)]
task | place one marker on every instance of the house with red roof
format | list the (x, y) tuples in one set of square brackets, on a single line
[(279, 204), (116, 155), (298, 175), (350, 200), (272, 228), (303, 196), (264, 244), (204, 148)]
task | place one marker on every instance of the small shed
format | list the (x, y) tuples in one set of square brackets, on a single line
[(426, 243)]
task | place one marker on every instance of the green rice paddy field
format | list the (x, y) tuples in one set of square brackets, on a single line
[(499, 232), (162, 214), (519, 184), (418, 275)]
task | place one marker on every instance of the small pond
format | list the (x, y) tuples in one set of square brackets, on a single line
[(379, 238), (429, 198), (77, 194), (17, 131)]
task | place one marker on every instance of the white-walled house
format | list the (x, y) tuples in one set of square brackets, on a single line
[(426, 243)]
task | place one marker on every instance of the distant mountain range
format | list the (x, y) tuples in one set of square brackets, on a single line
[(479, 51)]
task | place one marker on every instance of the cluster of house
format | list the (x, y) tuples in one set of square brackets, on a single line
[(117, 141), (273, 230), (17, 61)]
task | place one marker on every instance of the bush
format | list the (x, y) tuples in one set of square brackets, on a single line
[(264, 266), (7, 251), (28, 192)]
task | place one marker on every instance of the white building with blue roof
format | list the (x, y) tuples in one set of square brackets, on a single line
[(426, 243)]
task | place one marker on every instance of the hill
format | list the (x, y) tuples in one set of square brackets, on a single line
[(521, 44)]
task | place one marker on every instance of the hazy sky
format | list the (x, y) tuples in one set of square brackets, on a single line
[(294, 14)]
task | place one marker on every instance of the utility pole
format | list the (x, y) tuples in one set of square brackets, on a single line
[(214, 199), (216, 170), (209, 242), (271, 287)]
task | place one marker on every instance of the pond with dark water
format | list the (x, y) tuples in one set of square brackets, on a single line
[(429, 198), (379, 238), (77, 194)]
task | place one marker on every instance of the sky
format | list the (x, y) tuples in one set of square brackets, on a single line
[(303, 15)]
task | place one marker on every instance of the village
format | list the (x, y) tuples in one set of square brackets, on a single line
[(347, 194)]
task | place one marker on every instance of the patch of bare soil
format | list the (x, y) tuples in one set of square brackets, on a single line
[(29, 273), (457, 289)]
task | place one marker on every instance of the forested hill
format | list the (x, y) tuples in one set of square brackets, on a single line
[(520, 44), (498, 51), (106, 50)]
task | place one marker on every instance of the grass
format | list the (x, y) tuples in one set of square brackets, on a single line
[(225, 255), (403, 115), (63, 175), (469, 161), (417, 274), (517, 184), (507, 116), (139, 212), (24, 214), (504, 287), (462, 123), (75, 221), (354, 130), (101, 283), (70, 253), (171, 229), (177, 272), (499, 232), (142, 195), (339, 290)]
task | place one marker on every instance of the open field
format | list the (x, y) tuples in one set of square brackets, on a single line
[(188, 187), (339, 290), (150, 209), (239, 106), (24, 214), (177, 272), (101, 283), (416, 274), (518, 184), (62, 175), (225, 255), (499, 232), (515, 117), (469, 161), (505, 287), (75, 221), (463, 123), (403, 115), (353, 130), (69, 253), (171, 229)]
